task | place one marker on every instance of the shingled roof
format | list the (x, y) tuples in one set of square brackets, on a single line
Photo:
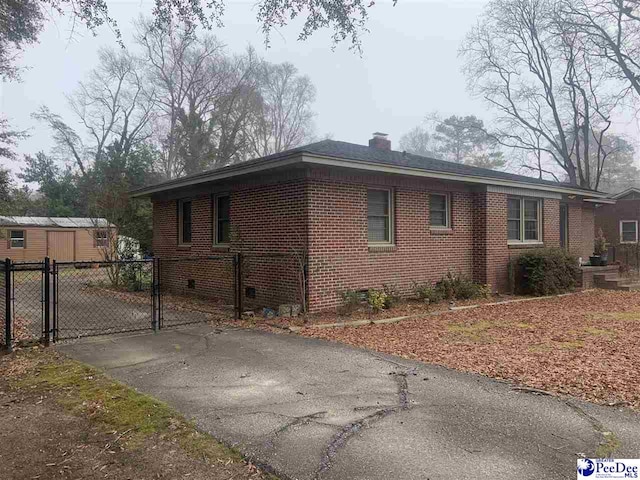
[(366, 155)]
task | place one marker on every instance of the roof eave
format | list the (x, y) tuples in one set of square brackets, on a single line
[(478, 179), (311, 158)]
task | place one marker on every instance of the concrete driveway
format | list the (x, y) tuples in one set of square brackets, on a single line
[(315, 410)]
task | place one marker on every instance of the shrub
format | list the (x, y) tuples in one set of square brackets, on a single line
[(451, 287), (377, 299), (426, 292), (599, 243), (457, 287), (393, 296), (547, 271), (351, 300)]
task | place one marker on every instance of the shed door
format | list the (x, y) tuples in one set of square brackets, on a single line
[(61, 246)]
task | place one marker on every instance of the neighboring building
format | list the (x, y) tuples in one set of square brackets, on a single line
[(619, 220), (59, 238), (366, 216)]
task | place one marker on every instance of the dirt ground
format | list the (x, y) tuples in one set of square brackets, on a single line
[(56, 430), (585, 345)]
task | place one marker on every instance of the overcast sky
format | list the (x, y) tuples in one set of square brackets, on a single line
[(409, 67)]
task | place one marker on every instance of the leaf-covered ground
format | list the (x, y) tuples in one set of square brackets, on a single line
[(586, 345)]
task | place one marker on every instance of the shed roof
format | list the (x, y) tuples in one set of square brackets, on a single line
[(58, 222)]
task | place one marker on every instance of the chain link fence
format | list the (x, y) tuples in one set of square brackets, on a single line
[(64, 300), (197, 289), (99, 298)]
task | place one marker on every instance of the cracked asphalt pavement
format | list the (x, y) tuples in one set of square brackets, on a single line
[(310, 409)]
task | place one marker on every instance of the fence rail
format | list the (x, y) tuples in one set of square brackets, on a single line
[(54, 300)]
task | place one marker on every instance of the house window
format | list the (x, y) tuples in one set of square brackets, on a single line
[(222, 223), (184, 222), (379, 214), (439, 210), (628, 231), (102, 238), (16, 239), (523, 220)]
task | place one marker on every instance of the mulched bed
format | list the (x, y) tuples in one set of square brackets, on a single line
[(586, 345)]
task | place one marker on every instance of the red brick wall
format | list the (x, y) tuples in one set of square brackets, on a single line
[(581, 229), (341, 259), (608, 217), (326, 209), (268, 227)]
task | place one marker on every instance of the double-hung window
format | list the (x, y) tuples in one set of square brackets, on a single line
[(101, 238), (523, 220), (184, 222), (16, 239), (380, 216), (439, 210), (628, 231), (222, 225)]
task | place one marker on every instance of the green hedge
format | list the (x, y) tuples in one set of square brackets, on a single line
[(546, 271)]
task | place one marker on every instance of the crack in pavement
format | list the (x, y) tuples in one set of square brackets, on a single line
[(302, 420), (349, 430), (606, 437)]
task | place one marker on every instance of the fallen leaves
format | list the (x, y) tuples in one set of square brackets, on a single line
[(586, 345)]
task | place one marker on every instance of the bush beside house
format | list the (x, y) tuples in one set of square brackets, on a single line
[(546, 271)]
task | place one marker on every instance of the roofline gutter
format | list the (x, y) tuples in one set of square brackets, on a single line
[(314, 159)]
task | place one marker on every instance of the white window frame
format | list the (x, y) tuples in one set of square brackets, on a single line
[(101, 242), (522, 240), (391, 240), (181, 203), (628, 221), (24, 236), (215, 219), (447, 210)]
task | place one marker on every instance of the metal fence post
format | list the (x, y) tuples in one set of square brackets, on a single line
[(54, 309), (239, 284), (155, 295), (46, 278), (8, 319)]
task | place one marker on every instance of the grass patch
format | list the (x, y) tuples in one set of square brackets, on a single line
[(608, 446), (571, 344), (114, 406), (600, 332), (616, 316), (475, 332), (525, 326), (539, 348)]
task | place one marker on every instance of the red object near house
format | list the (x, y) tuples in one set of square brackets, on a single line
[(366, 216)]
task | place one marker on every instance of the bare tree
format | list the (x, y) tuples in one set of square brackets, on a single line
[(612, 29), (418, 141), (552, 97), (284, 119), (113, 106), (204, 96)]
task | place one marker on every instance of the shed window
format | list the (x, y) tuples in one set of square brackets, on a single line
[(184, 222), (16, 239), (523, 219), (439, 210), (379, 214), (222, 223), (102, 238), (628, 231)]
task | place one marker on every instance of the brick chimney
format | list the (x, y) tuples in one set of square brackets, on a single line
[(380, 141)]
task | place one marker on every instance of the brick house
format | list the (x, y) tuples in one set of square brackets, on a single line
[(619, 220), (366, 216)]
